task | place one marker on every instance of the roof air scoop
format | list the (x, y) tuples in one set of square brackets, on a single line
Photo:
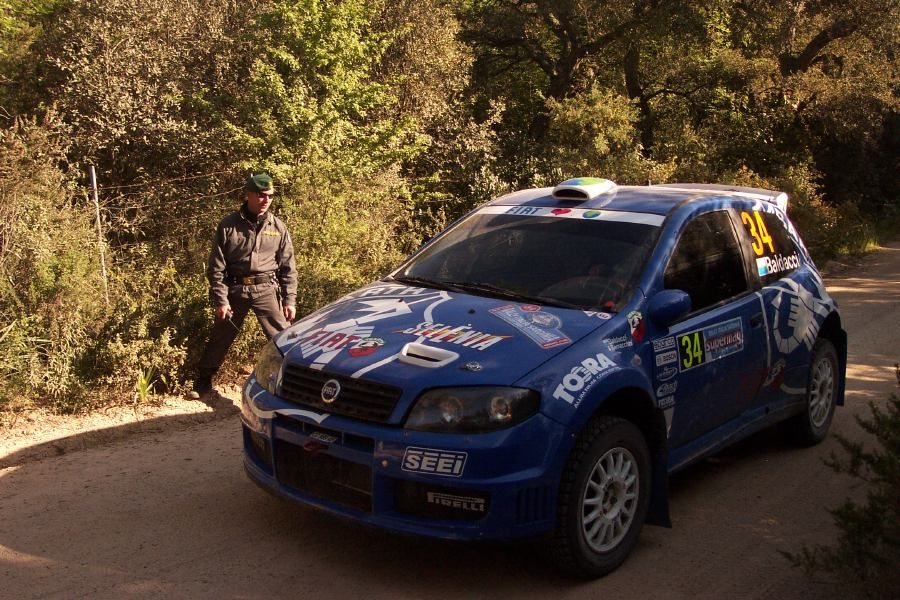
[(583, 188)]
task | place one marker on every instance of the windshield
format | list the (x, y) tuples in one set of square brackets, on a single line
[(581, 261)]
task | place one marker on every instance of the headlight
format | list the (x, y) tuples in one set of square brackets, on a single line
[(268, 366), (472, 409)]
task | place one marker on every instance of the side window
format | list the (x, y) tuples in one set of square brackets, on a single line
[(707, 261), (773, 249)]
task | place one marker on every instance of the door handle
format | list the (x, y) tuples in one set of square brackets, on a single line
[(756, 320)]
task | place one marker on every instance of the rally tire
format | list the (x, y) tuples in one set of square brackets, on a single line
[(603, 498), (810, 427)]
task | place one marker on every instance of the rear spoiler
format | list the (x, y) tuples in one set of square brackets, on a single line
[(779, 199)]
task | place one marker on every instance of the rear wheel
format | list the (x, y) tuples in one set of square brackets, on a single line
[(811, 427), (603, 498)]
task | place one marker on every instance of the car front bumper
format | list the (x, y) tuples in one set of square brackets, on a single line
[(498, 485)]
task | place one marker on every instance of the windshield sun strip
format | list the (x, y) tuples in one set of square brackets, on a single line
[(586, 214)]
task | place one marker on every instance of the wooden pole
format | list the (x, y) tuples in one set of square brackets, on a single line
[(100, 240)]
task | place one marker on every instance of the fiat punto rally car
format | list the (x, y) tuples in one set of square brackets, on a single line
[(542, 365)]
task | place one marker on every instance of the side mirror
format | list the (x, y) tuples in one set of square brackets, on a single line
[(668, 307)]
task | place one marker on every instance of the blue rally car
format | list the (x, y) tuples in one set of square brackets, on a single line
[(542, 365)]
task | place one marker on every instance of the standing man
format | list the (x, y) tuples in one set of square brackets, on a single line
[(251, 266)]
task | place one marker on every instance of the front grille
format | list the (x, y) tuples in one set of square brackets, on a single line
[(324, 476), (358, 399)]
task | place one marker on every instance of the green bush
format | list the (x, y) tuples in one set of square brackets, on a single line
[(867, 552)]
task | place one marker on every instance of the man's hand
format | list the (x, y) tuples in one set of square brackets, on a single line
[(223, 312), (289, 313)]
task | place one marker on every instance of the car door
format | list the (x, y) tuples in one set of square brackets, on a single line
[(709, 365)]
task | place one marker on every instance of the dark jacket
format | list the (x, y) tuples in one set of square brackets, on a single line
[(243, 247)]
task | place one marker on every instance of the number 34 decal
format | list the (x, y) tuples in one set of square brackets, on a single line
[(756, 227)]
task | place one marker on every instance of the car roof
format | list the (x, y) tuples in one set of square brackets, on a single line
[(656, 199)]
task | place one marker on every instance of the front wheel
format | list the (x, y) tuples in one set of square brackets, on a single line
[(811, 427), (603, 498)]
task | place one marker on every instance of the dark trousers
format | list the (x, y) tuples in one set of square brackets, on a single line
[(263, 301)]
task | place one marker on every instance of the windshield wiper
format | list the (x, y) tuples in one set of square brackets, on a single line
[(493, 290), (422, 282)]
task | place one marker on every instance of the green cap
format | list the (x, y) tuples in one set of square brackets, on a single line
[(260, 183)]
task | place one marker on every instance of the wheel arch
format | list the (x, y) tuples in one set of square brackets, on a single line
[(635, 404), (832, 330)]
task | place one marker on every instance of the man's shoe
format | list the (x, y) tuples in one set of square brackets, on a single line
[(202, 387)]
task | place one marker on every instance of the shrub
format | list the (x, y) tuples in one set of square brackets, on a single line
[(867, 552)]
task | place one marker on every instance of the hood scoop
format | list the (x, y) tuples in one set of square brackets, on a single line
[(429, 357)]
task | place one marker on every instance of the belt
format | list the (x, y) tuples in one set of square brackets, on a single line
[(250, 279)]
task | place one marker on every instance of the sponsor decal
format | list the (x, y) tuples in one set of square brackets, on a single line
[(323, 437), (710, 343), (591, 214), (605, 316), (544, 319), (666, 358), (365, 347), (462, 335), (770, 265), (542, 328), (330, 391), (453, 501), (664, 344), (436, 462), (328, 342), (560, 211), (618, 343), (578, 382), (798, 315), (636, 322), (666, 402), (667, 389), (392, 290), (667, 373), (756, 228), (473, 366), (531, 308), (523, 210), (775, 377)]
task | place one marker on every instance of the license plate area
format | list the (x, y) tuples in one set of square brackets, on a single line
[(324, 476)]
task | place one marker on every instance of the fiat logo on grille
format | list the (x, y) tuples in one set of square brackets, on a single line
[(330, 391)]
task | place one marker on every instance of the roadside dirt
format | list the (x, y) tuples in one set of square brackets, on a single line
[(156, 505), (30, 435)]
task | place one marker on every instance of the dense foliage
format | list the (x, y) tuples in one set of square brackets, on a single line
[(381, 120)]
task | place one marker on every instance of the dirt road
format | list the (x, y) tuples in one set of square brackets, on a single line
[(171, 514)]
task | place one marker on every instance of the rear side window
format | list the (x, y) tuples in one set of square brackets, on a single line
[(707, 262), (772, 247)]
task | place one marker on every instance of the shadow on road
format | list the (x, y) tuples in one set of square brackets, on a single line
[(221, 406)]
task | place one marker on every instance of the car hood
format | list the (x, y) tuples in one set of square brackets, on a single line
[(416, 338)]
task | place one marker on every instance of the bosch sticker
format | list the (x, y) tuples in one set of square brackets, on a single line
[(666, 358)]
